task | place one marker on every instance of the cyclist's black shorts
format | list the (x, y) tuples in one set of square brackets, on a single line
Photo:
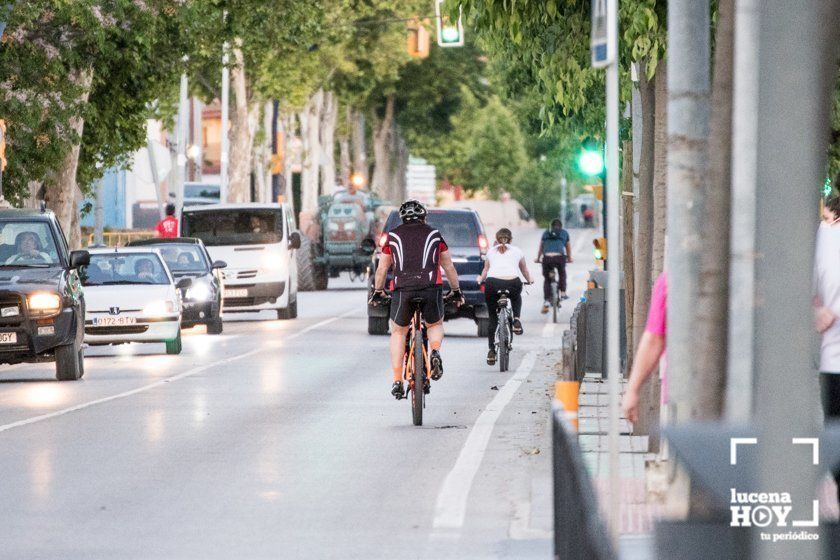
[(432, 307)]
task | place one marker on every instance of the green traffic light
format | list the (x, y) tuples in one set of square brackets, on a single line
[(591, 162), (598, 255), (450, 34), (827, 187)]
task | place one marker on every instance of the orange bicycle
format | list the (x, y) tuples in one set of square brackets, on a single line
[(416, 366)]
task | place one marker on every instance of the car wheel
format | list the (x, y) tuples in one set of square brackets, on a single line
[(377, 325), (483, 327), (293, 310), (216, 326), (174, 346), (69, 362)]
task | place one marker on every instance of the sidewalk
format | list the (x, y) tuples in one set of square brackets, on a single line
[(637, 515)]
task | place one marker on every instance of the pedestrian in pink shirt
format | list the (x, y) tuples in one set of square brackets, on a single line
[(651, 351)]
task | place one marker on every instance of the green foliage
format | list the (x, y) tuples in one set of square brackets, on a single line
[(495, 155), (130, 50)]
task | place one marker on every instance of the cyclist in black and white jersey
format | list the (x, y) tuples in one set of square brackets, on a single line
[(417, 253)]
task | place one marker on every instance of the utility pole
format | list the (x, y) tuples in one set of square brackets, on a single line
[(611, 198), (223, 190), (739, 390), (182, 135), (564, 195), (689, 89)]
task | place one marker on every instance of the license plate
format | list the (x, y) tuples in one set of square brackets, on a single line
[(242, 292), (8, 338), (113, 321)]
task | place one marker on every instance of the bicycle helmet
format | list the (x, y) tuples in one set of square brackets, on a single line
[(411, 210)]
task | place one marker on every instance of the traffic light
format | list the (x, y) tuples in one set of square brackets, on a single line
[(449, 33), (600, 248), (827, 187), (417, 43), (591, 162)]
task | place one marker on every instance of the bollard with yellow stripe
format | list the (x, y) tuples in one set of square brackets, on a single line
[(566, 394)]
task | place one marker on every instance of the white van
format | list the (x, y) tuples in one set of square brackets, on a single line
[(258, 243)]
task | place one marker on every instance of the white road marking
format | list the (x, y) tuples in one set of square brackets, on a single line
[(161, 382), (452, 500)]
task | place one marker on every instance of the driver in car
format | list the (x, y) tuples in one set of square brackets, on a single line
[(28, 249), (145, 269)]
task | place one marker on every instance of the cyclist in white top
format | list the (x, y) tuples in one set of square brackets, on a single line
[(502, 267)]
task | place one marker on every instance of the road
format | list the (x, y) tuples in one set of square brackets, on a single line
[(280, 440)]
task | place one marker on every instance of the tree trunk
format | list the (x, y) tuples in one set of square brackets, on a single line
[(649, 398), (62, 193), (243, 126), (660, 172), (309, 133), (360, 163), (711, 327), (627, 237), (399, 165), (344, 150), (328, 122), (288, 131), (382, 149), (262, 157)]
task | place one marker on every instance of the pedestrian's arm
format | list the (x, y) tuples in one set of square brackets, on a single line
[(484, 272), (523, 266), (645, 361), (539, 252), (385, 261), (449, 270)]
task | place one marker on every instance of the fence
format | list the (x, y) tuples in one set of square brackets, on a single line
[(120, 238), (579, 532)]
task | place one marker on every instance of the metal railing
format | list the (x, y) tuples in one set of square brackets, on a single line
[(120, 238), (579, 532)]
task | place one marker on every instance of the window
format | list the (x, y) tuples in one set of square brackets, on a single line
[(234, 227), (184, 258), (123, 268), (28, 243)]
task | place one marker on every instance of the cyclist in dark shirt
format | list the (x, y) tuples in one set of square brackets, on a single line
[(417, 253), (554, 252)]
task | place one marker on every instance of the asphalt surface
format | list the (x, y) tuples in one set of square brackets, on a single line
[(278, 439)]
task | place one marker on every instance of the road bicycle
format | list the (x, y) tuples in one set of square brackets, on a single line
[(504, 330), (555, 295), (416, 365)]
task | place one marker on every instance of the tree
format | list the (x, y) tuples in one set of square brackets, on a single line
[(78, 80)]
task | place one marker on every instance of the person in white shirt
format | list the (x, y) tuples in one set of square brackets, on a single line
[(827, 310), (502, 267)]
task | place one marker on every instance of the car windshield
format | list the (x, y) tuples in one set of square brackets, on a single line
[(184, 258), (123, 268), (202, 190), (234, 226), (458, 229), (27, 244)]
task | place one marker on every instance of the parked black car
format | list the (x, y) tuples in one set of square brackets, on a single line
[(464, 234), (188, 258), (42, 305)]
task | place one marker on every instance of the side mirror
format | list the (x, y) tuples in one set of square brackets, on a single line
[(79, 258), (369, 246), (294, 240), (218, 264), (184, 283)]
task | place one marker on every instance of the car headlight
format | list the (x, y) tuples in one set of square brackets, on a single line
[(272, 263), (332, 226), (44, 303), (199, 292), (159, 308)]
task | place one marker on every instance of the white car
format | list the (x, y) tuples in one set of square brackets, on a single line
[(131, 296), (258, 243)]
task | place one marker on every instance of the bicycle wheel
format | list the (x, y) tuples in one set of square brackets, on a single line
[(504, 340), (555, 302), (418, 395)]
